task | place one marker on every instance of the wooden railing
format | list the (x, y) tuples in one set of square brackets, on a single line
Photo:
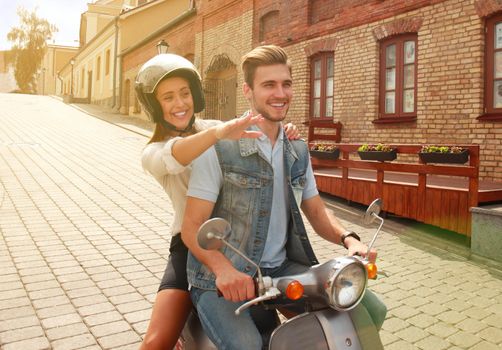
[(440, 205)]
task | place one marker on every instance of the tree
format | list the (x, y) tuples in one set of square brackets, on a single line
[(29, 47)]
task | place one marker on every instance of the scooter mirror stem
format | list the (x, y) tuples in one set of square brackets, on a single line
[(261, 285), (376, 234)]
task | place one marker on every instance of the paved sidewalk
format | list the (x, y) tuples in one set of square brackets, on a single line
[(84, 234)]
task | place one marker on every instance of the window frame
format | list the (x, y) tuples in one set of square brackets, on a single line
[(399, 115), (323, 57), (491, 113)]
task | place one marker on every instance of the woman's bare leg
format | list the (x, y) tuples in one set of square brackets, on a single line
[(169, 314)]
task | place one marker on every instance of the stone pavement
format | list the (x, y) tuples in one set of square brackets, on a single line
[(84, 240)]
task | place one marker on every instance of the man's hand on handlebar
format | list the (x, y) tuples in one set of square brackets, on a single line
[(355, 247), (234, 285)]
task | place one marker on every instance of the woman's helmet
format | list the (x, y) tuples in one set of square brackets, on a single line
[(160, 67)]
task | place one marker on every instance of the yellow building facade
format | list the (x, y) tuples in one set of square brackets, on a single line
[(94, 75), (48, 79)]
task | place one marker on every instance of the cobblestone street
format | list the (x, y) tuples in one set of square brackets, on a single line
[(84, 236)]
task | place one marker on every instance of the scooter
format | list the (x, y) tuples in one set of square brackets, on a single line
[(330, 291)]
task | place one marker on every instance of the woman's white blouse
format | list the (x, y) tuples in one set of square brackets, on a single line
[(157, 159)]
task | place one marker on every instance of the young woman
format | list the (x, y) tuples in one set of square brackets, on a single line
[(169, 88)]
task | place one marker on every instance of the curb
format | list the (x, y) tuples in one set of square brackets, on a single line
[(135, 129)]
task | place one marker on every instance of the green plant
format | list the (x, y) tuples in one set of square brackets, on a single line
[(323, 147), (378, 147), (29, 46), (363, 148), (441, 149)]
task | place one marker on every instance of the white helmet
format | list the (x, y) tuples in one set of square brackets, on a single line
[(158, 68)]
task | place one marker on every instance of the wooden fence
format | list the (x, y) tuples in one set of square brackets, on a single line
[(436, 194)]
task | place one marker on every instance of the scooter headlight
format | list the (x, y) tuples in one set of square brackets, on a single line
[(347, 285)]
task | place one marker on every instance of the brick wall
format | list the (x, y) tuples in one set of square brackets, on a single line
[(226, 30), (450, 82), (450, 62), (301, 20)]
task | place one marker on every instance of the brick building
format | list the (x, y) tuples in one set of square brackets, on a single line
[(391, 71)]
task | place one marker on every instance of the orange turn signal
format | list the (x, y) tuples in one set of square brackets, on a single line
[(372, 270), (294, 290)]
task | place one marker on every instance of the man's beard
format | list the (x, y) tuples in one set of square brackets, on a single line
[(267, 115)]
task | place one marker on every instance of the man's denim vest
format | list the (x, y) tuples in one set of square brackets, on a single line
[(245, 201)]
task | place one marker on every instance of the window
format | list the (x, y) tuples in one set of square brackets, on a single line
[(321, 86), (493, 69), (82, 75), (398, 83), (107, 62), (98, 68)]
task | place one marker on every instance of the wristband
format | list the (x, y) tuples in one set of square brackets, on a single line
[(349, 234)]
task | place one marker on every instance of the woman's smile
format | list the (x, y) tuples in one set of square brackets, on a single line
[(176, 101)]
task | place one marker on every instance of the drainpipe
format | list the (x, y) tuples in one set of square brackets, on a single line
[(120, 59), (115, 62)]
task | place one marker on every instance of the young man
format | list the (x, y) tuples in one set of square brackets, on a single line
[(258, 186)]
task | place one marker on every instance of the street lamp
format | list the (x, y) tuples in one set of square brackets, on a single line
[(72, 62), (162, 47)]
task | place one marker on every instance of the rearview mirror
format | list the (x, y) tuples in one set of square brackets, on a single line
[(372, 211), (212, 232)]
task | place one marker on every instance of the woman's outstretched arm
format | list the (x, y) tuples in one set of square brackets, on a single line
[(185, 150)]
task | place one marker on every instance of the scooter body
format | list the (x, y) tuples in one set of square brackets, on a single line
[(325, 329)]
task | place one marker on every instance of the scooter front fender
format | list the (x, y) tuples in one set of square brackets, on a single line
[(328, 330)]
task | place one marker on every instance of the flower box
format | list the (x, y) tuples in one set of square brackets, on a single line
[(333, 154), (448, 157), (381, 156), (324, 151), (380, 152)]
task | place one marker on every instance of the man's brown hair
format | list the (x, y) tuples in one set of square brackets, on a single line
[(265, 55)]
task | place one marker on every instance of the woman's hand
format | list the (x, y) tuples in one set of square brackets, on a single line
[(236, 128), (291, 131), (186, 149)]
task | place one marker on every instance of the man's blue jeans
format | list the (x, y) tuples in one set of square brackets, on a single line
[(228, 331)]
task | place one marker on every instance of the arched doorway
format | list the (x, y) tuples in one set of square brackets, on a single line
[(220, 87)]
